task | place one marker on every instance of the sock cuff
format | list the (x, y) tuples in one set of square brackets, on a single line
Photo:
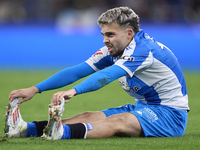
[(85, 130), (31, 130), (78, 130), (66, 132)]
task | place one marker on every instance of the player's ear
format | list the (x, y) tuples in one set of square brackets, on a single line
[(130, 33)]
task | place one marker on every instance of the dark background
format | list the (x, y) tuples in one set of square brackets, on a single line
[(54, 34)]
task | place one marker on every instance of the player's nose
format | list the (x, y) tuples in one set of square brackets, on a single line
[(106, 40)]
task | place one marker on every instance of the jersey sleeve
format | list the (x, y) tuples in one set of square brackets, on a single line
[(100, 60), (65, 77), (100, 79)]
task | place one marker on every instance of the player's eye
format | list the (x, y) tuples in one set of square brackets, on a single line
[(109, 34)]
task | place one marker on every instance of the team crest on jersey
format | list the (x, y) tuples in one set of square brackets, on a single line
[(99, 52), (123, 83)]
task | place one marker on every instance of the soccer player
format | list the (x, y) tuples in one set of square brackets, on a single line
[(146, 69)]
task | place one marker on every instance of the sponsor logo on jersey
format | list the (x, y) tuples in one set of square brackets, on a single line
[(128, 58), (99, 52)]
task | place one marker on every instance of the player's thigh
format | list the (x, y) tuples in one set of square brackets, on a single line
[(128, 124)]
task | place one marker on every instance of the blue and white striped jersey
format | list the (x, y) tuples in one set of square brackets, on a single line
[(154, 74)]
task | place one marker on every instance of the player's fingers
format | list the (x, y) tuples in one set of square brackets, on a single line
[(22, 100), (11, 98), (67, 98), (60, 97), (11, 94), (57, 97), (54, 99), (14, 94)]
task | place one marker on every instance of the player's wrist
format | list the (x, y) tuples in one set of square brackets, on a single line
[(74, 91), (34, 89)]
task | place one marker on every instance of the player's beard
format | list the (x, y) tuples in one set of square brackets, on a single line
[(116, 52)]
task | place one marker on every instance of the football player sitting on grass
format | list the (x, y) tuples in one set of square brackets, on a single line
[(146, 69)]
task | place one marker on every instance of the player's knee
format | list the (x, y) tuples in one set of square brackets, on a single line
[(119, 118), (89, 115), (117, 121), (84, 115), (123, 122)]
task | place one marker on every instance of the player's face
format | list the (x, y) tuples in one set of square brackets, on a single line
[(115, 38)]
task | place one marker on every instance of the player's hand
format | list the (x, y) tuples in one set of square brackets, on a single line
[(57, 97), (25, 94)]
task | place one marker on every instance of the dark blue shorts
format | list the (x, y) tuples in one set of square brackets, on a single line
[(155, 120)]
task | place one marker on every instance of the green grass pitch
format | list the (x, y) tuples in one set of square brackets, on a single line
[(109, 96)]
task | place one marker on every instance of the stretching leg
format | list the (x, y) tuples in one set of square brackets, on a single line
[(85, 117), (125, 123), (104, 127)]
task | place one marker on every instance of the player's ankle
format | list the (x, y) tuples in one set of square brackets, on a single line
[(31, 130), (40, 125)]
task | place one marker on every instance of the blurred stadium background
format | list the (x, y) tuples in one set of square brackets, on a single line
[(53, 34)]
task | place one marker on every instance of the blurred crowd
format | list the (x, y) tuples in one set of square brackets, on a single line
[(85, 12)]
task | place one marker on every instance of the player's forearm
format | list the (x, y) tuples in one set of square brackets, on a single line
[(100, 79), (92, 83), (65, 77)]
